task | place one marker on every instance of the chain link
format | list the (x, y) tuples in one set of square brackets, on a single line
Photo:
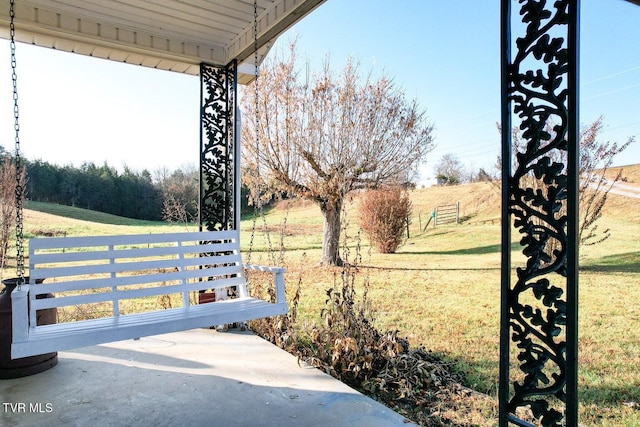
[(255, 121), (258, 208), (255, 88), (18, 158)]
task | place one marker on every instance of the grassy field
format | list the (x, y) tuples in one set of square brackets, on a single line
[(442, 288)]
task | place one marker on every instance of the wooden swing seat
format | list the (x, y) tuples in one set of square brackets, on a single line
[(117, 274)]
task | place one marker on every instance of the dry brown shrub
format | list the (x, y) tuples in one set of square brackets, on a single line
[(348, 345), (384, 214)]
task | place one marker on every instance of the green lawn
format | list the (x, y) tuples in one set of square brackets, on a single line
[(442, 288)]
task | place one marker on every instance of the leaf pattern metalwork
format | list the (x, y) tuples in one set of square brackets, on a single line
[(217, 149), (538, 91)]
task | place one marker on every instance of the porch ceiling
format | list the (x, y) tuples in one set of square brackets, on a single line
[(175, 35)]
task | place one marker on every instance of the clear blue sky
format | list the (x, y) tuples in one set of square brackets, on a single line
[(444, 53)]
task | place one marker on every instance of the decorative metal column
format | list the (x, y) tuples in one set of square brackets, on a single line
[(219, 154), (539, 310)]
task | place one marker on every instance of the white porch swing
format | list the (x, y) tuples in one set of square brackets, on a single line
[(107, 270)]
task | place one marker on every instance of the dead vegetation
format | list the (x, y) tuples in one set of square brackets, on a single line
[(348, 345), (384, 217)]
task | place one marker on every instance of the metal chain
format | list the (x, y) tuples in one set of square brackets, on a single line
[(256, 123), (18, 159), (258, 208), (255, 54)]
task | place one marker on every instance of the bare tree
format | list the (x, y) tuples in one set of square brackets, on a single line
[(449, 170), (161, 175), (179, 194), (323, 136), (596, 157), (7, 203)]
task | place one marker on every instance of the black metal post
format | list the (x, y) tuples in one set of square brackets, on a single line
[(505, 278), (218, 148), (539, 311), (573, 208)]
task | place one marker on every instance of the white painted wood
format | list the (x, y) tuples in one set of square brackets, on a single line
[(20, 312), (112, 269), (91, 332), (175, 35), (278, 277)]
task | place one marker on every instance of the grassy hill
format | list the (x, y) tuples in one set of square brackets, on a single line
[(442, 288), (630, 173), (71, 212), (479, 203), (46, 219)]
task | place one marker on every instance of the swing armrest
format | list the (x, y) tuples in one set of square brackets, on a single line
[(20, 313), (278, 278)]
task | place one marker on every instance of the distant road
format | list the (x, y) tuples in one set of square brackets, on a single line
[(622, 189)]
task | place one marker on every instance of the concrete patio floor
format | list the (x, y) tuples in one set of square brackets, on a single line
[(192, 378)]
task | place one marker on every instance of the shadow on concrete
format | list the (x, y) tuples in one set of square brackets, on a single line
[(192, 378)]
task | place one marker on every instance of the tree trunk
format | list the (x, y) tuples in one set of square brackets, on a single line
[(331, 233)]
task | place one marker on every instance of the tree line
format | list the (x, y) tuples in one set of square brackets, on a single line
[(128, 193), (101, 188)]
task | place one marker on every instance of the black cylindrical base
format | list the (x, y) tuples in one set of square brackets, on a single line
[(24, 366)]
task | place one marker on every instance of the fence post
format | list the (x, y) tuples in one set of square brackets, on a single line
[(407, 220)]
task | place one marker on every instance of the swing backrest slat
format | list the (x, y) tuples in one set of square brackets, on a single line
[(131, 286)]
